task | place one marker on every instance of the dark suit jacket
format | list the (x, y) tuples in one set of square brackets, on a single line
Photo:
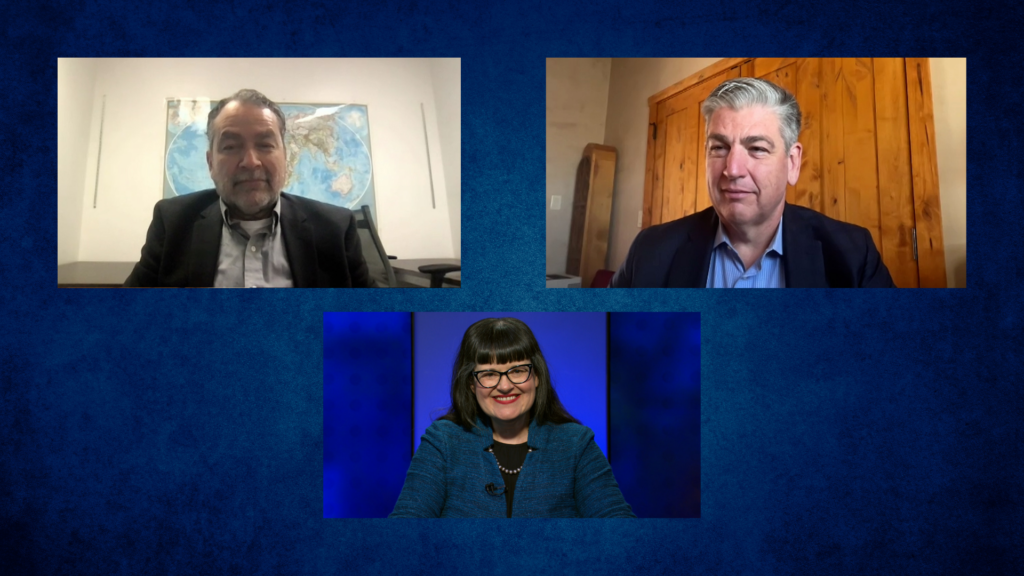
[(183, 244), (818, 252)]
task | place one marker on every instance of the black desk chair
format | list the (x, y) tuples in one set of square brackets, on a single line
[(373, 251), (377, 258), (438, 271)]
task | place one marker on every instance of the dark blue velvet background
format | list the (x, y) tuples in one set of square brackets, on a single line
[(367, 411), (181, 431), (654, 396)]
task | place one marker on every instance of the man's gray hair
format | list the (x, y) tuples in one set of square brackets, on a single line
[(245, 96), (740, 93)]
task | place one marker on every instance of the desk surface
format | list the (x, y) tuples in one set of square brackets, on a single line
[(93, 274), (113, 274)]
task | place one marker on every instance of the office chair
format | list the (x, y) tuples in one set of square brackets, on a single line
[(373, 251), (438, 271), (377, 259)]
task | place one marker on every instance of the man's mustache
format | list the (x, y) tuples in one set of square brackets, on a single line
[(253, 176)]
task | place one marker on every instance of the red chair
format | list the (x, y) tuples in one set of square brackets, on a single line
[(602, 279)]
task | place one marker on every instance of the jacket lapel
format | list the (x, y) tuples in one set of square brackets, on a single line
[(205, 247), (692, 259), (298, 244), (805, 264)]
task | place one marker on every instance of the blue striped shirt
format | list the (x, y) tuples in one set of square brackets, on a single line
[(727, 270)]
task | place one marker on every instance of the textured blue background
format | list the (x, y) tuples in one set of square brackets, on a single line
[(180, 431)]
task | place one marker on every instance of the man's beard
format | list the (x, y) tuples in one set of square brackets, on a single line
[(246, 199)]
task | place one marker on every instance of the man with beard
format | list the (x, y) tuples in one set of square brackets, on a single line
[(246, 232)]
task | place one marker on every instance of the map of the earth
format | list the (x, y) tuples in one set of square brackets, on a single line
[(328, 152)]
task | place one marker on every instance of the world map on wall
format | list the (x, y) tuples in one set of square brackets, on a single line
[(328, 152)]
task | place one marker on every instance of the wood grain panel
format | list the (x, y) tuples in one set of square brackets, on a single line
[(675, 104), (833, 149), (785, 77), (694, 79), (765, 66), (672, 206), (579, 215), (598, 212), (652, 120), (928, 211), (859, 140), (896, 200), (808, 95), (667, 189), (658, 187), (703, 199), (690, 160)]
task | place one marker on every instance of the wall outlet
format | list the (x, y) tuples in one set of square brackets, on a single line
[(556, 202)]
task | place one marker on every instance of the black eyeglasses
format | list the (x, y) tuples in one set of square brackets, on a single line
[(516, 375)]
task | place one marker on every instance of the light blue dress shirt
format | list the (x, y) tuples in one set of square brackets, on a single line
[(252, 254), (727, 271)]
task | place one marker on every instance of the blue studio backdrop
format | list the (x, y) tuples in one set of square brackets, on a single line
[(655, 412), (182, 432), (637, 387), (367, 408)]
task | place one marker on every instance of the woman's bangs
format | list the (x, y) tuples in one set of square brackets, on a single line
[(505, 347)]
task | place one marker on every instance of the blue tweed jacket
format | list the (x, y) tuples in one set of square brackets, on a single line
[(566, 476)]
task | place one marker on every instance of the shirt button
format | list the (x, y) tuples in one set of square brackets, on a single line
[(253, 248)]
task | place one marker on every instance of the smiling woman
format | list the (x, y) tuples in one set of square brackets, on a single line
[(507, 434)]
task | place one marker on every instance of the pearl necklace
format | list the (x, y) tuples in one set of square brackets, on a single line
[(502, 468)]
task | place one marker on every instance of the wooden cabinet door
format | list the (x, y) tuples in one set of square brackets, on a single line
[(868, 153), (679, 185)]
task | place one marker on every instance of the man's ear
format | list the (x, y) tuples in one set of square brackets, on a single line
[(795, 157), (209, 160)]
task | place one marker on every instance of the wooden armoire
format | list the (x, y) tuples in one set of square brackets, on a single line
[(868, 140), (591, 212)]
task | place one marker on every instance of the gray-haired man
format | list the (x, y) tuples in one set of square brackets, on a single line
[(750, 237), (246, 232)]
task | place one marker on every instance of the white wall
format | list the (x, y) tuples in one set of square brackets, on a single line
[(949, 100), (577, 104), (447, 80), (633, 81), (75, 80), (133, 140)]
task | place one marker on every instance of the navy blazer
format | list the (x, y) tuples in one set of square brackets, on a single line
[(818, 252), (565, 476), (183, 244)]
